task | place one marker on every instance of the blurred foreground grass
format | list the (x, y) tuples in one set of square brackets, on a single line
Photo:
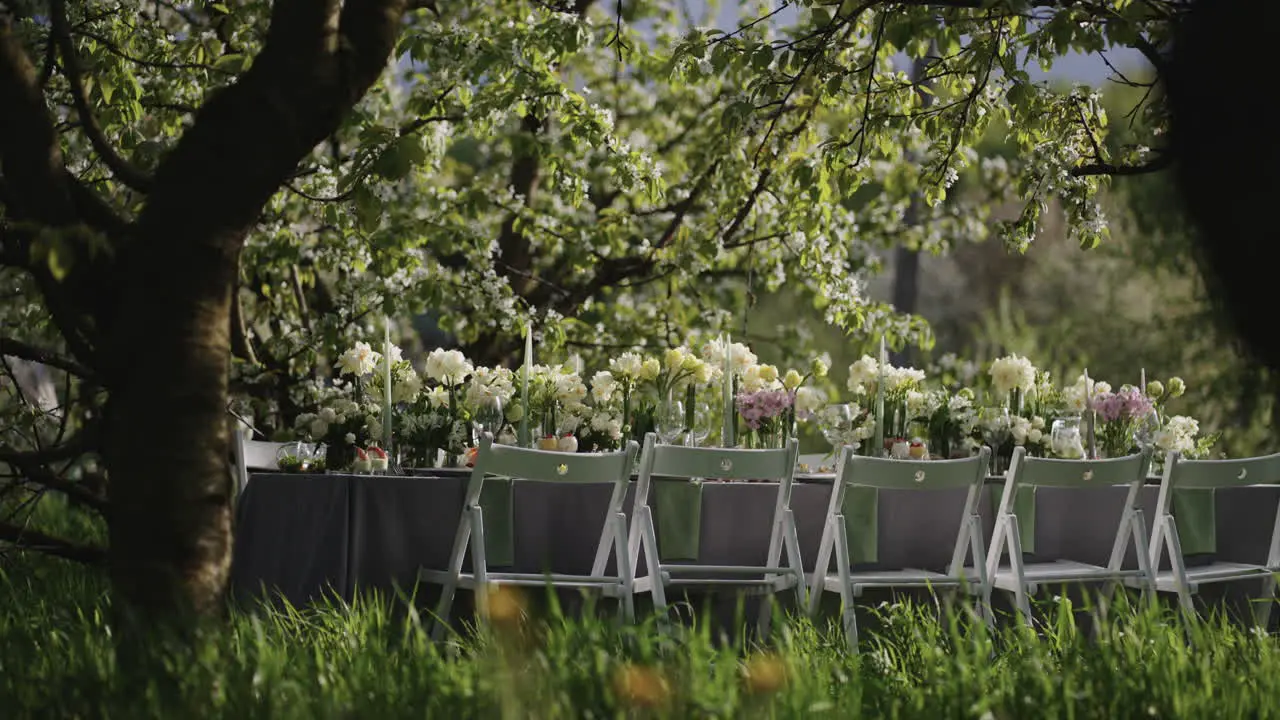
[(375, 660)]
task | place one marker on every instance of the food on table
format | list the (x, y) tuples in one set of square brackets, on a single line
[(377, 458), (362, 462)]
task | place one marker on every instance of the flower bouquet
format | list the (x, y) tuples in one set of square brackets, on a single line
[(1120, 416), (765, 413), (948, 420), (342, 425)]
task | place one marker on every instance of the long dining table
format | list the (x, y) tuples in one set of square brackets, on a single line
[(303, 537)]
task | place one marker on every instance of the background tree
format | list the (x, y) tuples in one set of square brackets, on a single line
[(619, 174)]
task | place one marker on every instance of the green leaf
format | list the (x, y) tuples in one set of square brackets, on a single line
[(762, 58), (106, 89), (60, 259), (368, 209), (232, 63)]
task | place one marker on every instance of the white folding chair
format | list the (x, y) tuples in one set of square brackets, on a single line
[(885, 474), (252, 455), (521, 464), (1024, 579), (725, 464), (1211, 475)]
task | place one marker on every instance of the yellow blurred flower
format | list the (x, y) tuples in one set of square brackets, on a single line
[(639, 686), (650, 369), (506, 607), (764, 675), (768, 373), (792, 380)]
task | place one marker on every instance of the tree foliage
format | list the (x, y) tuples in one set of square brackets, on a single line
[(183, 179)]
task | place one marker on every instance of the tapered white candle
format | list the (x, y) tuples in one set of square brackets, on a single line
[(386, 407), (878, 447), (730, 420), (524, 385), (1090, 431)]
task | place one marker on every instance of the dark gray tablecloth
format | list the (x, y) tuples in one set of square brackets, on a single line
[(298, 533), (293, 537)]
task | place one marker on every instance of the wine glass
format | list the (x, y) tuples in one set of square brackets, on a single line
[(1144, 433), (837, 426), (488, 416), (701, 429), (670, 421), (997, 432)]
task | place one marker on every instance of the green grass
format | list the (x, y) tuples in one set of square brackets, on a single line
[(375, 660)]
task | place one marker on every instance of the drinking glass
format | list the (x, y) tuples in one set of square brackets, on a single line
[(488, 417), (701, 429), (670, 421), (997, 432), (837, 426), (1065, 440), (1144, 434)]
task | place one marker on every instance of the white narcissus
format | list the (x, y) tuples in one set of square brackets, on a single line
[(603, 385), (1012, 372), (627, 365), (862, 374), (809, 401), (449, 367), (405, 386), (438, 397), (917, 404), (359, 360), (570, 390)]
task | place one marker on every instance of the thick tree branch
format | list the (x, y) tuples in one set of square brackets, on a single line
[(1162, 162), (123, 170), (19, 349), (36, 541)]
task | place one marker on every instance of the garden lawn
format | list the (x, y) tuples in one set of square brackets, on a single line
[(375, 660)]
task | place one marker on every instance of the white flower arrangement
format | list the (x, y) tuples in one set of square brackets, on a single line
[(359, 360), (1012, 372), (863, 375), (740, 356), (448, 367)]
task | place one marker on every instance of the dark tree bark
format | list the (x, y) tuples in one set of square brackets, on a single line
[(906, 262), (160, 336)]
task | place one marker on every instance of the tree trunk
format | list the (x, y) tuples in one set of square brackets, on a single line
[(906, 263), (170, 516)]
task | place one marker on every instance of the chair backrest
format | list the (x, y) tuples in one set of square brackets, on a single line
[(889, 474), (717, 463), (553, 466), (259, 455), (1213, 474), (720, 463), (1054, 472), (252, 454), (523, 464)]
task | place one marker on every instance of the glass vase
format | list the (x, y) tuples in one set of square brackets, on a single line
[(1065, 439)]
